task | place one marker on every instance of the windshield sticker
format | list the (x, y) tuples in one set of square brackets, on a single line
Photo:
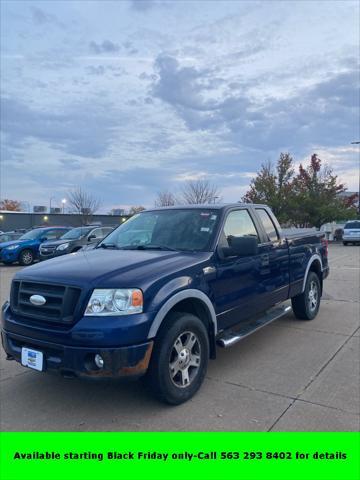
[(204, 214), (213, 217), (205, 229)]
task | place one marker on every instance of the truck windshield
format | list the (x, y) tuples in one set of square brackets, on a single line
[(172, 229), (75, 233)]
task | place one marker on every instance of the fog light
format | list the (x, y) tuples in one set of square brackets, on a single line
[(99, 361)]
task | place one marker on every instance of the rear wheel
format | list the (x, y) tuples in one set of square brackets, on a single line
[(26, 257), (306, 305), (180, 358)]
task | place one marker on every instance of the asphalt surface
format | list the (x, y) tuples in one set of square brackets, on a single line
[(290, 376)]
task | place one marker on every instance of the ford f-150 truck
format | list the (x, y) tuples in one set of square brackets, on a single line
[(159, 293)]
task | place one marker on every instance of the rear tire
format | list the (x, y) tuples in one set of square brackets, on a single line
[(306, 305), (26, 258), (180, 358)]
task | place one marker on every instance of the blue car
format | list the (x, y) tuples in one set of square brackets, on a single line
[(26, 248)]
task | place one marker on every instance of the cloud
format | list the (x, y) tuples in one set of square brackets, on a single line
[(107, 46), (323, 113), (183, 86), (40, 17), (83, 129), (95, 70), (142, 5)]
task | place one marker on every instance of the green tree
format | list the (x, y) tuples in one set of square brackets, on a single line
[(316, 189), (309, 198), (274, 187)]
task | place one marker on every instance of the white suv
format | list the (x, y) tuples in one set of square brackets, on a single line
[(351, 232)]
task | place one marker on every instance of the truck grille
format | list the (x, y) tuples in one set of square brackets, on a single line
[(60, 306)]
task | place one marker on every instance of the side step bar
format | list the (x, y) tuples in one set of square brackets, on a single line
[(229, 337)]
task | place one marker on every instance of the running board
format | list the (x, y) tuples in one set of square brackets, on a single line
[(229, 337)]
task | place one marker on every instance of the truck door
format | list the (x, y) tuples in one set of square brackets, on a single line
[(238, 289), (274, 253)]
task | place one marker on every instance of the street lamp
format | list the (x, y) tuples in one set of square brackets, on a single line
[(63, 201)]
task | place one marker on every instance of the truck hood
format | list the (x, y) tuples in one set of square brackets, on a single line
[(112, 268)]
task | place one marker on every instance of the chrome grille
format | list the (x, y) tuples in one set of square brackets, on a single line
[(47, 250), (60, 306)]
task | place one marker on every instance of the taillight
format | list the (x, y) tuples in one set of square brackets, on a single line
[(325, 245)]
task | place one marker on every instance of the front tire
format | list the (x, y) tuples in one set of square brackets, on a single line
[(306, 305), (180, 358), (26, 258)]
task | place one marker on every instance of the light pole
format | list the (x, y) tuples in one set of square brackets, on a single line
[(358, 143), (63, 201), (51, 198)]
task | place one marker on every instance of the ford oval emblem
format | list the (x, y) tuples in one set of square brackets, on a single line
[(37, 300)]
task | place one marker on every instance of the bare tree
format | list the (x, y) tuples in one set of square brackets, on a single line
[(200, 192), (83, 203), (165, 199), (136, 209), (10, 205)]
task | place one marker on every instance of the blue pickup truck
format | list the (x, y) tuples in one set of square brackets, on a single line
[(160, 293)]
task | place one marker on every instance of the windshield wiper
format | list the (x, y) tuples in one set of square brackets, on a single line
[(107, 245), (148, 247)]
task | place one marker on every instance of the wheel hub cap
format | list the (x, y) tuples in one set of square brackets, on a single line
[(185, 359)]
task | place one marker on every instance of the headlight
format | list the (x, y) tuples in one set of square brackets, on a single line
[(12, 247), (63, 246), (122, 301)]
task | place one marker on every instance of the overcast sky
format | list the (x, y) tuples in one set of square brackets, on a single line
[(127, 98)]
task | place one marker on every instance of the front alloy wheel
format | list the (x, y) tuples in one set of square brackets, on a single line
[(26, 257), (185, 359), (180, 358)]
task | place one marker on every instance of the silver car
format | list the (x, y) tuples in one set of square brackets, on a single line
[(351, 232)]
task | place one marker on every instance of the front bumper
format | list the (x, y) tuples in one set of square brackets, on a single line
[(129, 361), (9, 256), (45, 255), (351, 238)]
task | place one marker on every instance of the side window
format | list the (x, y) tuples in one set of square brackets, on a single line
[(268, 224), (53, 234), (97, 232), (106, 231), (238, 224)]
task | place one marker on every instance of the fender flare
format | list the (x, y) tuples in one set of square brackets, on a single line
[(312, 259), (178, 297)]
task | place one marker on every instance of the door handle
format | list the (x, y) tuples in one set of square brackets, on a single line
[(265, 259)]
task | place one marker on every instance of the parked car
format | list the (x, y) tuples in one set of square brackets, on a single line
[(8, 236), (160, 292), (73, 241), (351, 232), (26, 248)]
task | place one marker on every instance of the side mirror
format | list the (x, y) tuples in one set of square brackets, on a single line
[(43, 239), (241, 247), (91, 238)]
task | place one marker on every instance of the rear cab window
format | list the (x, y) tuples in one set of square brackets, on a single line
[(268, 224)]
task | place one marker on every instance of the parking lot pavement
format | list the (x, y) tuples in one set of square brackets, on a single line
[(289, 376)]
